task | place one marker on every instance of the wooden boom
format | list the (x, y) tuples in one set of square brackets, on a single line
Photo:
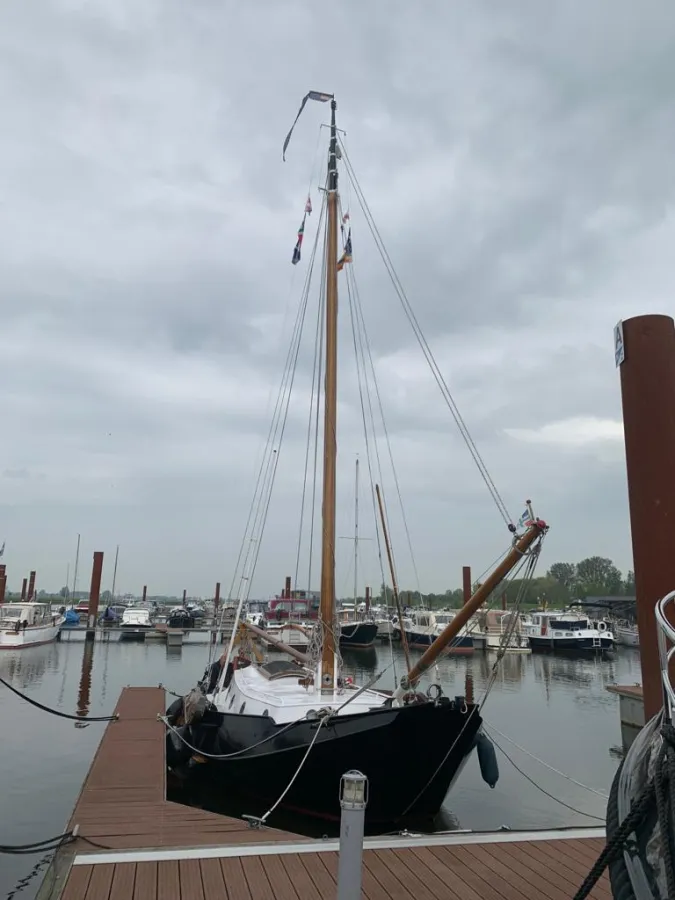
[(477, 599), (280, 645)]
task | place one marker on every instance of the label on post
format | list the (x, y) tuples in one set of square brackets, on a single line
[(619, 354)]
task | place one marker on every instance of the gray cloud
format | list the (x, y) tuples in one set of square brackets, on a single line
[(518, 163)]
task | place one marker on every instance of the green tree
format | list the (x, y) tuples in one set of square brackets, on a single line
[(564, 573), (598, 572), (64, 592), (629, 584)]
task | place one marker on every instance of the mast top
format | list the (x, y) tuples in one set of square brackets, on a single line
[(332, 152)]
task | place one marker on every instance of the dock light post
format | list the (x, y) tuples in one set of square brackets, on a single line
[(353, 802)]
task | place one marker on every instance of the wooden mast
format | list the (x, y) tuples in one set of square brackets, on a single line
[(429, 657), (330, 425)]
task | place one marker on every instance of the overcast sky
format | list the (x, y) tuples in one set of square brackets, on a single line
[(518, 160)]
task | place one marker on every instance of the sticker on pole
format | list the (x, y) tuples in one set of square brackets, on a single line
[(619, 353)]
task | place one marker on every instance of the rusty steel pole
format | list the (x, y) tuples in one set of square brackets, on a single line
[(466, 583), (31, 585), (24, 584), (648, 399), (94, 594)]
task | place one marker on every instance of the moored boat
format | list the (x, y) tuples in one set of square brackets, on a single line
[(626, 634), (28, 624), (567, 632), (136, 623)]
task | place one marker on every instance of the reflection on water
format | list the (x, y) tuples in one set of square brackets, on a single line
[(83, 699), (556, 707)]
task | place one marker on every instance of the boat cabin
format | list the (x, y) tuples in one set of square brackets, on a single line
[(298, 606), (26, 611)]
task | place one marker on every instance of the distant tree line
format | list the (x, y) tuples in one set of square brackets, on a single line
[(564, 582)]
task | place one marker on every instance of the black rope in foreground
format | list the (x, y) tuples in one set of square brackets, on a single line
[(658, 792), (56, 712), (52, 843)]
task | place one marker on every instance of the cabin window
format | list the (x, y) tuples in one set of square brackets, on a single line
[(231, 701), (243, 707), (266, 712)]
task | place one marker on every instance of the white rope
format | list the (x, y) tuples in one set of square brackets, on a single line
[(269, 812), (545, 764)]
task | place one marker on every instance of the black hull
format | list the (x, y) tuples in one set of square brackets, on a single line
[(358, 634), (582, 646), (405, 753)]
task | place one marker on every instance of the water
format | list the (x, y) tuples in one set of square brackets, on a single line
[(556, 707)]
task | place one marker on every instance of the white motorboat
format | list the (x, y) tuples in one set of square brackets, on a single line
[(28, 624), (136, 623)]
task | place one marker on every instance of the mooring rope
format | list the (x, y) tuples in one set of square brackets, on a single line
[(57, 712)]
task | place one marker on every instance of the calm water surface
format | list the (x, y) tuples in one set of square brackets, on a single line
[(556, 707)]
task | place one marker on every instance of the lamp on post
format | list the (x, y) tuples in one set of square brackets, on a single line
[(353, 802)]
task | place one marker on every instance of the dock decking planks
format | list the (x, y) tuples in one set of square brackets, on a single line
[(122, 805)]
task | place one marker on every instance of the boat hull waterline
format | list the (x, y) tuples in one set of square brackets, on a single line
[(33, 636), (586, 645), (358, 635), (432, 741)]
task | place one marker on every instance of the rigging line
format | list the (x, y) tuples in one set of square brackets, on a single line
[(263, 444), (318, 345), (360, 317), (245, 547), (284, 417), (315, 477), (410, 314), (361, 356), (359, 367), (269, 812), (442, 762), (360, 381), (365, 346), (529, 562), (544, 763), (277, 436), (540, 788), (426, 350)]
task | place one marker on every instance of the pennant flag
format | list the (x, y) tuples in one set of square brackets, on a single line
[(308, 205), (312, 95), (345, 218), (298, 246), (347, 255), (525, 519)]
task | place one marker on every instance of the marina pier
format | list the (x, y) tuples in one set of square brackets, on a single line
[(131, 843)]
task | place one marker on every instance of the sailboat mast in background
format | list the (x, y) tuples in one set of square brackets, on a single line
[(356, 535), (327, 671)]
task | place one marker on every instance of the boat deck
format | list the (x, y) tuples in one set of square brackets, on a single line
[(133, 844)]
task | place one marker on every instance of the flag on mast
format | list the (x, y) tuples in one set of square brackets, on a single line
[(347, 255), (308, 205), (298, 245), (312, 95)]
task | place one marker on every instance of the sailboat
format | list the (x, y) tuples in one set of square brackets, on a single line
[(282, 733)]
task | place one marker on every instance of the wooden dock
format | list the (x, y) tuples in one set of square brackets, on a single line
[(133, 844)]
